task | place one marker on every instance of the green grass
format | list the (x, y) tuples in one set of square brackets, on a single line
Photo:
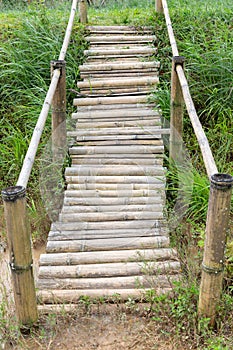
[(204, 36), (34, 37)]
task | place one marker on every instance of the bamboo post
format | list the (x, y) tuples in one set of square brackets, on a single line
[(159, 6), (83, 11), (213, 261), (59, 112), (19, 242), (177, 111)]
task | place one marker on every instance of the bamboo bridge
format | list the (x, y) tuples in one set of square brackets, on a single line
[(111, 237)]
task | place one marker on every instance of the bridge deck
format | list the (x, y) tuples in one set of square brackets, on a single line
[(111, 236)]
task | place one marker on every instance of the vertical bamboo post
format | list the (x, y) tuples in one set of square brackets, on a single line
[(177, 111), (83, 11), (213, 260), (159, 6), (19, 242), (59, 113)]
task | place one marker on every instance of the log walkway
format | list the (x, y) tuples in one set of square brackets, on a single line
[(111, 237)]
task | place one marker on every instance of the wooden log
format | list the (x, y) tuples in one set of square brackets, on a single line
[(132, 158), (120, 38), (136, 149), (57, 259), (103, 234), (117, 91), (116, 74), (119, 29), (93, 119), (20, 253), (128, 131), (177, 114), (117, 170), (110, 216), (58, 298), (129, 58), (109, 100), (143, 50), (76, 209), (144, 224), (118, 179), (59, 113), (116, 113), (107, 244), (216, 233), (150, 141), (128, 282), (159, 6), (116, 186), (111, 66), (113, 194), (97, 161), (101, 189), (123, 134), (118, 82), (135, 114), (120, 124), (145, 106), (83, 11), (109, 270), (118, 138), (119, 46)]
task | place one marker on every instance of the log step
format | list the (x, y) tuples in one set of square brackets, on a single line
[(107, 244), (98, 108), (106, 39), (121, 201), (76, 209), (123, 52), (114, 170), (119, 29), (129, 282), (109, 100), (56, 300), (145, 225), (97, 257), (118, 82), (124, 161), (57, 259), (118, 124), (109, 67), (129, 112), (117, 149), (104, 234), (109, 270), (109, 194)]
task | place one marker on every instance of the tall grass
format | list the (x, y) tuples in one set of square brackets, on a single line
[(204, 36), (34, 39)]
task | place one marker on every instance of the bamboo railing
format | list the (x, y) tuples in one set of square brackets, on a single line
[(220, 184), (18, 232)]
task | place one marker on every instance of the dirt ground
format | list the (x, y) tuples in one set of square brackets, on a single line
[(111, 330)]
